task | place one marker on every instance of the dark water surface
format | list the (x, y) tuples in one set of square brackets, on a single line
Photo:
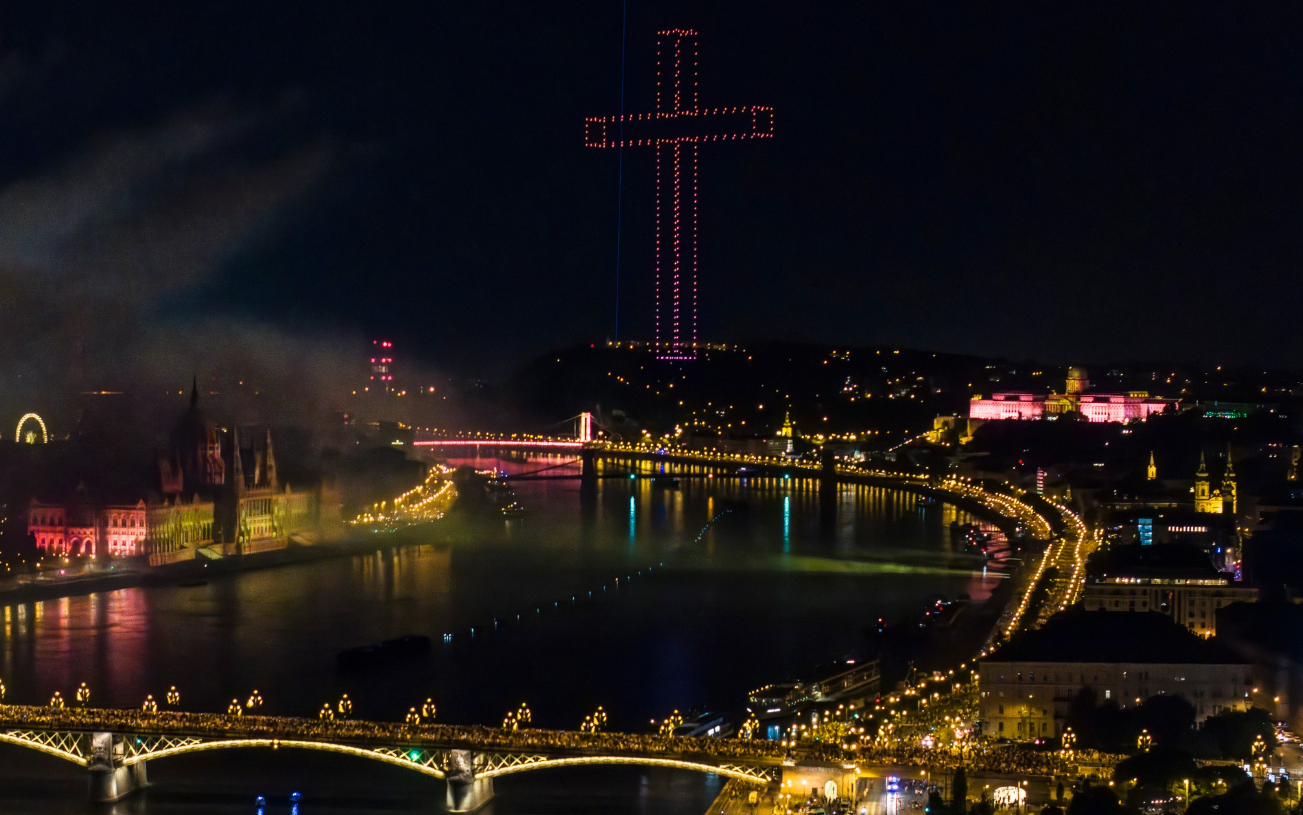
[(772, 587)]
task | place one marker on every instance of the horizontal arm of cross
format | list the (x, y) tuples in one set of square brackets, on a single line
[(705, 125)]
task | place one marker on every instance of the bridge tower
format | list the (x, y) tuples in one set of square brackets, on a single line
[(109, 779), (584, 429)]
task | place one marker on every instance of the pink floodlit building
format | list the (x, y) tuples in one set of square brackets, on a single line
[(1093, 407), (1007, 406), (84, 530)]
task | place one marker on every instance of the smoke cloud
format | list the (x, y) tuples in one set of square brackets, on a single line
[(111, 262)]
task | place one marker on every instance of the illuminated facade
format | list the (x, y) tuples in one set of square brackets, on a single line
[(81, 529), (674, 130), (204, 505), (1216, 501), (1093, 407), (1027, 686), (1192, 602)]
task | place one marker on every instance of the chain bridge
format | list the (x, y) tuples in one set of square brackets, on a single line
[(114, 746)]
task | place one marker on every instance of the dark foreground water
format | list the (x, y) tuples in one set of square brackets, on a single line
[(773, 586)]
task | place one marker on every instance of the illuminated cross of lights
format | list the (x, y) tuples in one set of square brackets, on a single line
[(675, 129)]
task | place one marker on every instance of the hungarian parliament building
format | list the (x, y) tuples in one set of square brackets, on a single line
[(215, 498)]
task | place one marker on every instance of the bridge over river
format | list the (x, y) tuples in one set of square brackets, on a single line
[(114, 746), (1014, 510)]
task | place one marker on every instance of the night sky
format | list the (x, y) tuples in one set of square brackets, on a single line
[(281, 181)]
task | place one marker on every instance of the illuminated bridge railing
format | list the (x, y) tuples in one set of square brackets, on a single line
[(156, 735), (525, 444)]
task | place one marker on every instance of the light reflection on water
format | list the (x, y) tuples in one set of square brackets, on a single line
[(778, 583)]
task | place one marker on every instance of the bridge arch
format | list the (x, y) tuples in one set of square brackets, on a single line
[(421, 761), (756, 776)]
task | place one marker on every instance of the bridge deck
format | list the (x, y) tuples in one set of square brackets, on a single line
[(360, 733)]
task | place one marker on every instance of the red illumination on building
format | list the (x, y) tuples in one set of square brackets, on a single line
[(81, 529), (675, 129), (382, 373)]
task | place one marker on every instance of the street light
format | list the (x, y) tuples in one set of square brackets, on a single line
[(254, 701), (56, 701), (149, 706), (83, 695), (1145, 740), (427, 709), (173, 697), (345, 706)]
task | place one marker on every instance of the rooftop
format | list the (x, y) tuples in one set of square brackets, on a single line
[(1129, 637), (1164, 560)]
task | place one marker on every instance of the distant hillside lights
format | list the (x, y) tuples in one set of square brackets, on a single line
[(1076, 399)]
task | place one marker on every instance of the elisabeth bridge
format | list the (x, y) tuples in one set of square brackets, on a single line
[(114, 745), (1008, 507)]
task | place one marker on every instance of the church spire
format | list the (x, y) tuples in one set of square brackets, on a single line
[(194, 392), (1230, 493), (1203, 467), (1153, 470), (269, 461), (237, 460)]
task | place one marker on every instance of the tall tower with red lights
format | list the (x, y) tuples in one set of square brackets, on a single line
[(675, 129), (382, 368)]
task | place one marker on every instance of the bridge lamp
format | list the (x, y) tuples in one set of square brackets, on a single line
[(345, 706), (3, 690), (428, 709), (83, 695), (326, 713), (234, 709), (173, 696), (150, 706), (56, 701), (413, 718)]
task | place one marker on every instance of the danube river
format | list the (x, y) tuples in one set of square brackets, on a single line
[(637, 598)]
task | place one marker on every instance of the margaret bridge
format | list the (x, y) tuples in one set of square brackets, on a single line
[(114, 746)]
